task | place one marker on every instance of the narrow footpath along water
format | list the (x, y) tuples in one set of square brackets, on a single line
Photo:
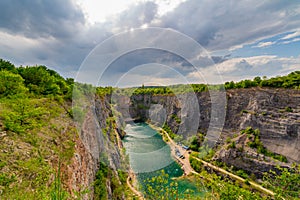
[(149, 154)]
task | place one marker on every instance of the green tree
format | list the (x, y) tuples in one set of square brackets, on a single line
[(257, 79), (285, 182), (159, 187), (224, 189), (22, 113), (178, 138), (229, 85), (100, 191), (11, 84), (5, 65), (41, 80)]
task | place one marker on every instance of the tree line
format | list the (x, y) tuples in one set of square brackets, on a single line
[(292, 80)]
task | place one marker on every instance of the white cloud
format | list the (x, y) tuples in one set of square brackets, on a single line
[(98, 11), (165, 6), (290, 38), (291, 41), (243, 65), (237, 69), (264, 44), (235, 47), (292, 35)]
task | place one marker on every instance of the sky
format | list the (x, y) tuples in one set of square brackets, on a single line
[(153, 42)]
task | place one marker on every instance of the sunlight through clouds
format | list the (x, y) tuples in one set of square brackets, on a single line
[(61, 35), (100, 11)]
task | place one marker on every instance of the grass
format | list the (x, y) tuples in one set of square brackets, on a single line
[(28, 158)]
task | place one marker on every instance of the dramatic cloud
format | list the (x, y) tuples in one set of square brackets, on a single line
[(222, 25), (35, 18), (59, 35)]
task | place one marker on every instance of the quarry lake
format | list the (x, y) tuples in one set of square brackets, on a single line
[(149, 154)]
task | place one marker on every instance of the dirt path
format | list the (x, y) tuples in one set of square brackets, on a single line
[(223, 171), (184, 162), (132, 188)]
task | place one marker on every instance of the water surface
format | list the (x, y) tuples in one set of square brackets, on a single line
[(149, 154)]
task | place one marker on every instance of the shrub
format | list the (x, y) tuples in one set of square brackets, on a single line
[(242, 174), (228, 140), (245, 111), (232, 145), (288, 109)]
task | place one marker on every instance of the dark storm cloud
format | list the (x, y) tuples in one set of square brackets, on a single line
[(223, 24), (61, 37), (36, 18)]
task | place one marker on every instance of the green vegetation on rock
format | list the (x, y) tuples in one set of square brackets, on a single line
[(254, 137), (37, 131)]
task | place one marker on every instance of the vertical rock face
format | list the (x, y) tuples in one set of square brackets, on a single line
[(275, 112), (94, 146), (180, 111)]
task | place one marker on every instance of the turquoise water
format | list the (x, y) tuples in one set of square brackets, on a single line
[(149, 154)]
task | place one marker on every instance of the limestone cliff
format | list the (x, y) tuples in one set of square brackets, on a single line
[(275, 112), (99, 141)]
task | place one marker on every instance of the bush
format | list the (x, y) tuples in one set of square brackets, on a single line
[(6, 180), (228, 140), (22, 114), (285, 184), (169, 131), (77, 114), (100, 191), (232, 145), (291, 80), (176, 118), (288, 109), (11, 84), (195, 164), (242, 174)]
